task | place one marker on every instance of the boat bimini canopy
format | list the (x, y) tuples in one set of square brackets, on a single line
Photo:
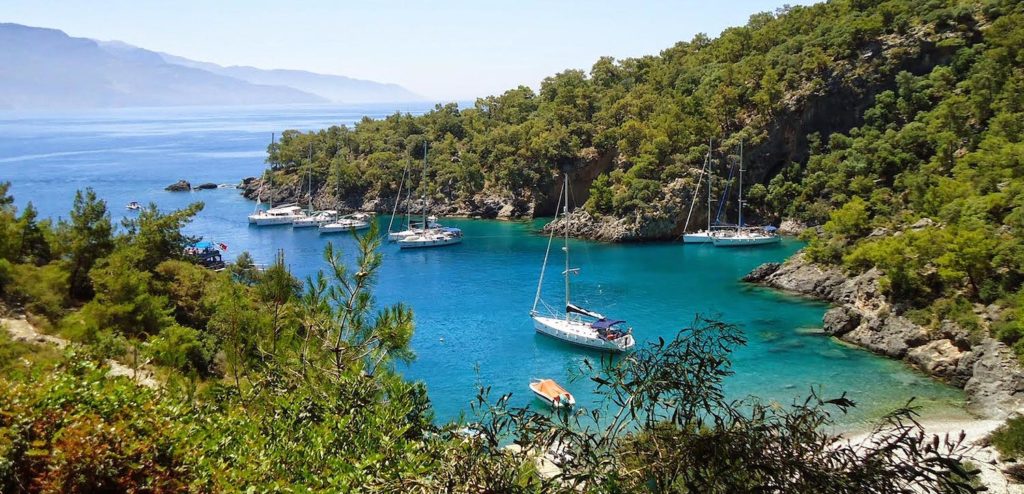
[(606, 323), (580, 310)]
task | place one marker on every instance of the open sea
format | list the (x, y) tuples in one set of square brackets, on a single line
[(471, 301)]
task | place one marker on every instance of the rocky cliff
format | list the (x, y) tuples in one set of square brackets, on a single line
[(984, 367)]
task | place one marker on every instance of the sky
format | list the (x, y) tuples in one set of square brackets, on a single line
[(442, 49)]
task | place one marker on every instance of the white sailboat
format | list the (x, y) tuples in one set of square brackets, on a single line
[(428, 233), (702, 236), (347, 223), (312, 218), (743, 236), (578, 326), (281, 215), (316, 219)]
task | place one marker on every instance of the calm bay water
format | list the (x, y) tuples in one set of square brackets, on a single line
[(471, 301)]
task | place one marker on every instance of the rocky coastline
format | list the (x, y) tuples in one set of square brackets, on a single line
[(985, 368), (488, 204)]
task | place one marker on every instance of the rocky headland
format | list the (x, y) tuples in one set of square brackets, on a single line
[(984, 367)]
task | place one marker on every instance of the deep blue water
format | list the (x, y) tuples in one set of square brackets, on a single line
[(471, 301)]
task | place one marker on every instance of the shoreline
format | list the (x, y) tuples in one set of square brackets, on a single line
[(980, 454), (860, 316)]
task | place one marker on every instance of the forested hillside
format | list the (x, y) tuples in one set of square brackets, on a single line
[(877, 114), (632, 131)]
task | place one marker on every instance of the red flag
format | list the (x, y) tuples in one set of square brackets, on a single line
[(223, 246)]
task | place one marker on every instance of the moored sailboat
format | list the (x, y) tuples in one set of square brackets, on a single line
[(280, 215), (743, 236), (347, 223), (578, 326), (429, 233)]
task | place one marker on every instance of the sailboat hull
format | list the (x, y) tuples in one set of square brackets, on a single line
[(419, 241), (745, 240), (264, 220), (580, 333), (697, 238)]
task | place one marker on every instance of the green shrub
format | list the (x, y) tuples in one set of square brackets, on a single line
[(1009, 438), (42, 290), (184, 349)]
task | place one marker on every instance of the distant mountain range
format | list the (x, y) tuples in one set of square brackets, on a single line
[(46, 68)]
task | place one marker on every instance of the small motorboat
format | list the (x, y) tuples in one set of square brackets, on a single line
[(133, 206), (552, 393)]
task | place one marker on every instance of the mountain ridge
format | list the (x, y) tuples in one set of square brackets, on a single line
[(337, 88), (59, 71)]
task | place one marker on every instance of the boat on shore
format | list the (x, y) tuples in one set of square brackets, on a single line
[(552, 393), (347, 223), (577, 325), (280, 215)]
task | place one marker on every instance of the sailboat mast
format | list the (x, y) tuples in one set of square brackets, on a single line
[(565, 247), (310, 178), (739, 225), (710, 175), (424, 185), (547, 253), (398, 198), (270, 169)]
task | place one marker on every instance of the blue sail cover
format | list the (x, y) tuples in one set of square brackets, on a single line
[(605, 323)]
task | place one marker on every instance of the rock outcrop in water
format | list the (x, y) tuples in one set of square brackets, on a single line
[(179, 186), (984, 367)]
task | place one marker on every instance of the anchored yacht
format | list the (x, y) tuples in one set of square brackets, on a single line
[(577, 325)]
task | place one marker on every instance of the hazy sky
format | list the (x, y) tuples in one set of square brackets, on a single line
[(455, 49)]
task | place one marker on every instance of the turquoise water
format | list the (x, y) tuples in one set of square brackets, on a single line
[(471, 301)]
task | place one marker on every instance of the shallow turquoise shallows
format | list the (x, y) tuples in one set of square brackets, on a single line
[(471, 301)]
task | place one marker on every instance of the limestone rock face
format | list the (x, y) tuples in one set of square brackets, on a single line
[(938, 357), (987, 370), (840, 320), (762, 272), (996, 385), (179, 186), (791, 226), (894, 337)]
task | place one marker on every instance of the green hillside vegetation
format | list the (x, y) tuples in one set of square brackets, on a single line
[(924, 104), (930, 189), (269, 384)]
